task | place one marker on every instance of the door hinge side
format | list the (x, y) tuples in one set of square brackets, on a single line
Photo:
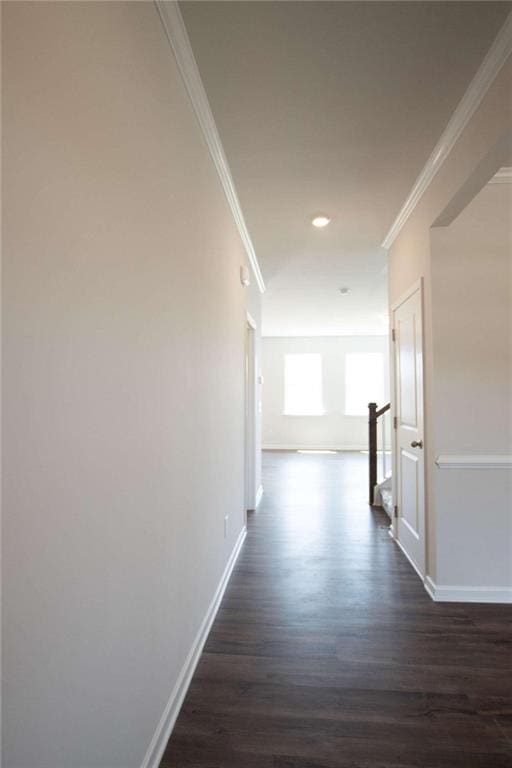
[(395, 422), (393, 334), (395, 510)]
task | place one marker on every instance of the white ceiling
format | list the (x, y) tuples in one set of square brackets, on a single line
[(331, 107)]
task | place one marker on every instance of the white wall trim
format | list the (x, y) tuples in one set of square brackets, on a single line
[(503, 176), (397, 540), (314, 447), (177, 36), (164, 728), (259, 496), (485, 76), (454, 594), (474, 462), (251, 321), (416, 286), (430, 587)]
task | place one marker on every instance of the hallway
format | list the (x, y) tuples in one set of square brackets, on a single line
[(328, 653)]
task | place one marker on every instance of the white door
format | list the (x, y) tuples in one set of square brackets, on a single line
[(410, 449)]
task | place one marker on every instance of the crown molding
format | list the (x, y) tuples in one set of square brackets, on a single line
[(503, 176), (474, 462), (485, 76), (177, 36)]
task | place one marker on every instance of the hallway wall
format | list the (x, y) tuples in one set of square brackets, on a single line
[(410, 258), (472, 335), (253, 301), (123, 359), (334, 429)]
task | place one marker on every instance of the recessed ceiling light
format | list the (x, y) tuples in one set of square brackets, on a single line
[(320, 221), (344, 291)]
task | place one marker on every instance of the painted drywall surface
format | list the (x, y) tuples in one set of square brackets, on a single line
[(475, 528), (123, 358), (472, 325), (254, 308), (1, 469), (1, 463), (318, 126), (333, 429), (409, 256)]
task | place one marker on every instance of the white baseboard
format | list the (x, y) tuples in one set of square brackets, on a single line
[(314, 447), (449, 594), (259, 495), (407, 556), (430, 587), (454, 594), (164, 729)]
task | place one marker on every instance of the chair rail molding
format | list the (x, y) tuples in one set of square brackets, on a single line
[(496, 56), (481, 461), (176, 33)]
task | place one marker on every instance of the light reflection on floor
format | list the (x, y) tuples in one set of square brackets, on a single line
[(322, 520)]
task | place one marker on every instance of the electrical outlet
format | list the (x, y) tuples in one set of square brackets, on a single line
[(226, 521)]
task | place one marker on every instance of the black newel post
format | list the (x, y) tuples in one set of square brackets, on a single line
[(372, 448)]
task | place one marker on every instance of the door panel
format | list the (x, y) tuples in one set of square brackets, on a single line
[(409, 489), (410, 464), (408, 405)]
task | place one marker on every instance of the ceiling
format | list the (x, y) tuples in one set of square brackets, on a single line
[(331, 107)]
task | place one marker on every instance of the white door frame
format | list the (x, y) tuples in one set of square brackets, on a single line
[(250, 414), (418, 285)]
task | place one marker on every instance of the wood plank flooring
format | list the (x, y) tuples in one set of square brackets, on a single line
[(328, 653)]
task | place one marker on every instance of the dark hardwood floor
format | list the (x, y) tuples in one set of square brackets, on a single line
[(328, 653)]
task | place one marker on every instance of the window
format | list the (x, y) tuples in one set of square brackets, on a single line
[(303, 385), (364, 382)]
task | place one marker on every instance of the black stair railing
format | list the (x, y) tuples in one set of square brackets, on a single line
[(374, 414)]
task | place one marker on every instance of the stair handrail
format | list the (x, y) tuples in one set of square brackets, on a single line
[(374, 414)]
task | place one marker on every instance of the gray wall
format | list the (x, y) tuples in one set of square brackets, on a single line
[(123, 355)]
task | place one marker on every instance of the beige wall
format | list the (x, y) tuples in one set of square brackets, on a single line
[(253, 302), (472, 323), (123, 355), (472, 388), (410, 259)]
